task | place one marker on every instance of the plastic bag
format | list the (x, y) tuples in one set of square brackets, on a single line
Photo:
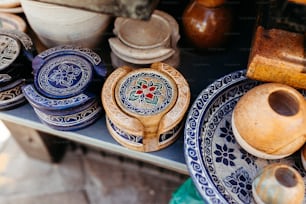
[(186, 194)]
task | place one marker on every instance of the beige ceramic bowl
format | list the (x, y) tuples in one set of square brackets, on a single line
[(269, 121), (12, 22), (9, 3), (57, 25)]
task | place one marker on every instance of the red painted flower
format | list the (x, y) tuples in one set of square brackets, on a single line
[(146, 92)]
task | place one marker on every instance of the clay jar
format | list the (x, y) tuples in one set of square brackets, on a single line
[(269, 121), (206, 23), (278, 183)]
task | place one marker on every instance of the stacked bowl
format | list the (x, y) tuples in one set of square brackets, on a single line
[(63, 94), (145, 42), (15, 66)]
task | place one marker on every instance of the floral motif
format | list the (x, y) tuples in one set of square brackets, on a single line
[(146, 92), (224, 155), (240, 184), (249, 158), (227, 133), (65, 75)]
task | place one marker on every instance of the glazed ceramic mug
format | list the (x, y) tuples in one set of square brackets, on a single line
[(269, 121)]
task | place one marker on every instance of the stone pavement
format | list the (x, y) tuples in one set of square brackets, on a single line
[(82, 177)]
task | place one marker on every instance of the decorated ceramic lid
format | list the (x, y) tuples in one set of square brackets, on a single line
[(145, 106), (65, 71), (26, 45), (146, 92), (144, 34), (9, 51), (12, 22)]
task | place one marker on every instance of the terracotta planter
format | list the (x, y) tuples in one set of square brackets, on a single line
[(269, 121)]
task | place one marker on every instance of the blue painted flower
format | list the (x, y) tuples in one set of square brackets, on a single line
[(240, 183), (227, 133), (249, 158), (224, 155)]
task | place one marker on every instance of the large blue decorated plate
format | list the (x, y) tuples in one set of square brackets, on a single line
[(221, 170)]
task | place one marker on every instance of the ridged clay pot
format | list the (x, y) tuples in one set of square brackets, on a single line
[(278, 183), (269, 121)]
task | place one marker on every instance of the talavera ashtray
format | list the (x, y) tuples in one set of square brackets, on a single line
[(62, 94), (145, 106), (17, 51), (66, 71)]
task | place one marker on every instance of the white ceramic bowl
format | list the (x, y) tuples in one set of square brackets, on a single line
[(58, 25)]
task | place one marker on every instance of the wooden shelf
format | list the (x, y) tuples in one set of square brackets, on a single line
[(199, 68)]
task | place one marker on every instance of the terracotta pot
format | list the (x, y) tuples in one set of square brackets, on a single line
[(206, 27), (278, 183), (58, 25), (269, 121)]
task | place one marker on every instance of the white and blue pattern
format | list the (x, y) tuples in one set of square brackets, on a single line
[(63, 76), (126, 87), (42, 102), (220, 169)]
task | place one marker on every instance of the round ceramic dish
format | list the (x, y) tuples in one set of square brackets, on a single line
[(152, 33), (221, 169), (12, 22), (65, 71), (11, 95), (71, 120), (43, 103), (147, 104)]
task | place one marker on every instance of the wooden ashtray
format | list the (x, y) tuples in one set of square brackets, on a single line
[(144, 107), (269, 121)]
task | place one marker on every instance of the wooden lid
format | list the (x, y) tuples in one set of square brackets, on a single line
[(145, 102)]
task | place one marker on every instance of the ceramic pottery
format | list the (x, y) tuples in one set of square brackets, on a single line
[(303, 156), (11, 95), (63, 91), (272, 54), (145, 106), (12, 22), (144, 42), (41, 102), (15, 66), (66, 71), (69, 120), (222, 171), (278, 183), (269, 121), (9, 3), (206, 23), (66, 25)]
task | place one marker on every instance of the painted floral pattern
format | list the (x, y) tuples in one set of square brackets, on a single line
[(249, 158), (225, 155), (240, 183), (227, 133), (65, 75), (145, 91)]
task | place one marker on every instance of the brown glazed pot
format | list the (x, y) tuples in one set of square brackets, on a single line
[(206, 27)]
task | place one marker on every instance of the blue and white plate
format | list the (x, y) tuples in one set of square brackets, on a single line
[(221, 170)]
